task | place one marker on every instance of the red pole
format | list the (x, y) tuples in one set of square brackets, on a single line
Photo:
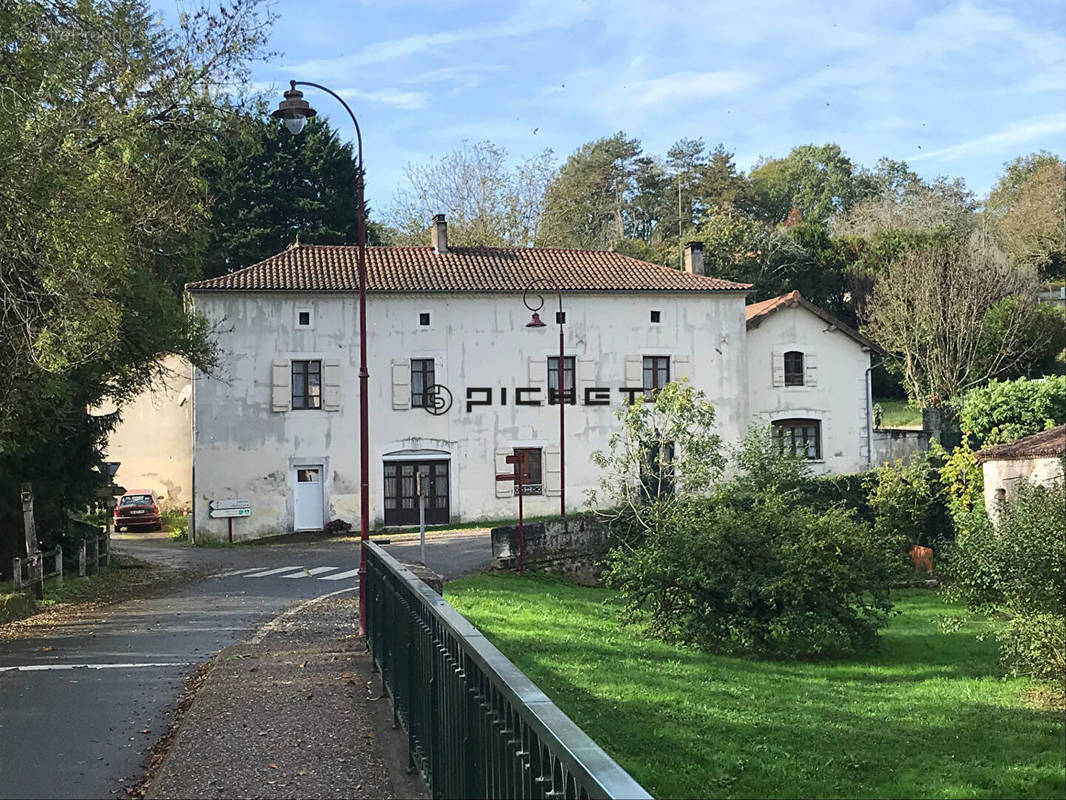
[(521, 532), (229, 525), (364, 405), (562, 428)]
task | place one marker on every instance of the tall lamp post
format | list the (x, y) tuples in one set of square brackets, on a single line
[(534, 287), (294, 111)]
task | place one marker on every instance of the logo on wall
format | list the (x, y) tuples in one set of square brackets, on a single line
[(438, 399)]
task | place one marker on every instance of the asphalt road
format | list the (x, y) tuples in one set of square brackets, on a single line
[(81, 702)]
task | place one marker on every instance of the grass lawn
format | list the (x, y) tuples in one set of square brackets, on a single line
[(900, 414), (928, 715)]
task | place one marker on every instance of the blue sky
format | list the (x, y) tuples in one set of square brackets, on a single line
[(954, 88)]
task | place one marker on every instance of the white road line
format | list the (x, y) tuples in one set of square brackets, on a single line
[(263, 631), (233, 572), (272, 572), (48, 667), (341, 575), (312, 572)]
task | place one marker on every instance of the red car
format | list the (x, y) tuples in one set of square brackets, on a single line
[(139, 509)]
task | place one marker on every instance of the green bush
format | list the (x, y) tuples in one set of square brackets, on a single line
[(769, 578), (1019, 568), (908, 504), (1003, 411)]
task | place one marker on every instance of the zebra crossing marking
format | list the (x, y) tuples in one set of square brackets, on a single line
[(352, 573), (269, 572), (306, 573)]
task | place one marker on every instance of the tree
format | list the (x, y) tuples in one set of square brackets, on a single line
[(1028, 207), (102, 219), (267, 188), (586, 201), (901, 214), (820, 181), (666, 451), (487, 204), (931, 310)]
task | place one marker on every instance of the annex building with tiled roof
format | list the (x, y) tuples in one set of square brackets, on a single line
[(459, 379), (1036, 459)]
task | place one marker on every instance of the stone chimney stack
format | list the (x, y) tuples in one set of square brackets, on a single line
[(694, 258), (438, 232)]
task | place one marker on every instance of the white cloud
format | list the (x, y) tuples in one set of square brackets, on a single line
[(1015, 134), (392, 97), (530, 19), (687, 86)]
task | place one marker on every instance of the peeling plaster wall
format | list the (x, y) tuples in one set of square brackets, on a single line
[(1006, 474), (153, 440), (838, 399), (244, 450)]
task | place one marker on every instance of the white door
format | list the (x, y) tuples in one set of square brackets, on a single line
[(307, 501)]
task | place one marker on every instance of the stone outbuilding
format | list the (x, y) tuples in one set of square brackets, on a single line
[(1036, 459)]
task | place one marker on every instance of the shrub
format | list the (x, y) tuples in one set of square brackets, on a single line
[(908, 505), (1003, 411), (1019, 568), (769, 578)]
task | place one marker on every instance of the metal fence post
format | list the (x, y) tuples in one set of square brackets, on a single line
[(81, 559), (106, 542), (16, 571), (59, 565)]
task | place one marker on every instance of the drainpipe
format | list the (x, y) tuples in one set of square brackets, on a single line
[(870, 413)]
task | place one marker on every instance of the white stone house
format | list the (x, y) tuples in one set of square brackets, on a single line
[(808, 377), (1037, 459), (279, 424)]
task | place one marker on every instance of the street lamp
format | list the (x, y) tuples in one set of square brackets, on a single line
[(536, 286), (294, 111)]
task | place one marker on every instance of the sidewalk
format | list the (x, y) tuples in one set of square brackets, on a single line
[(293, 713)]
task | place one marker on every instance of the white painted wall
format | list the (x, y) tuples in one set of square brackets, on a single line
[(838, 397), (245, 450), (153, 440), (1008, 473)]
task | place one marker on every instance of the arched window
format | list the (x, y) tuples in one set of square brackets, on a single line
[(802, 437), (793, 368)]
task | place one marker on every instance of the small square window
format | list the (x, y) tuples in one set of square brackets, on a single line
[(656, 317), (303, 318), (423, 318)]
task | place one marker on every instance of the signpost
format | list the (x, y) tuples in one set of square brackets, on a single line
[(227, 510), (516, 476), (420, 488), (32, 553)]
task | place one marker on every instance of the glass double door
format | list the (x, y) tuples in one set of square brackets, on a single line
[(401, 492)]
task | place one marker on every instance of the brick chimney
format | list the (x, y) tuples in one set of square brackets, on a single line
[(694, 258), (438, 231)]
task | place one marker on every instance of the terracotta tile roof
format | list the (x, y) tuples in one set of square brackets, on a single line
[(1045, 444), (755, 313), (333, 268)]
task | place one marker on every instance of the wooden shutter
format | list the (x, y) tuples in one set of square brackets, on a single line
[(778, 369), (634, 374), (553, 472), (586, 376), (503, 488), (280, 391), (538, 374), (810, 369), (331, 384), (401, 384), (680, 368)]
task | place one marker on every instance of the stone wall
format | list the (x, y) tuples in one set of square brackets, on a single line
[(572, 547), (893, 443)]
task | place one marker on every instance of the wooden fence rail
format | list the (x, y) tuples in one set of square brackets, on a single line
[(34, 567)]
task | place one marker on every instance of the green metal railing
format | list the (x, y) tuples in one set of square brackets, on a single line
[(477, 727)]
